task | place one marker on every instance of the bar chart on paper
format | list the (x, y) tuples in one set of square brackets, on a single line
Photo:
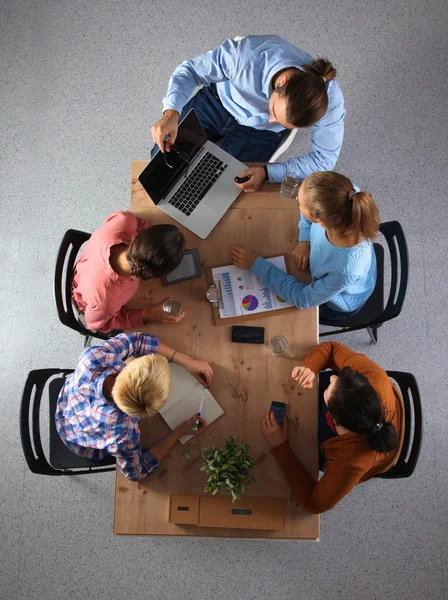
[(227, 283), (243, 293), (266, 301)]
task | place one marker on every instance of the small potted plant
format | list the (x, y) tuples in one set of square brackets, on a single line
[(228, 470)]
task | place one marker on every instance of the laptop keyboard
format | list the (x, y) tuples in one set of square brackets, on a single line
[(197, 184)]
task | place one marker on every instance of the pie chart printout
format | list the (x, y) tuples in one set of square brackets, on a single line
[(250, 303)]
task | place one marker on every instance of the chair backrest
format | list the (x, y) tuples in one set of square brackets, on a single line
[(30, 434), (65, 263), (413, 426), (399, 260), (30, 420), (288, 140)]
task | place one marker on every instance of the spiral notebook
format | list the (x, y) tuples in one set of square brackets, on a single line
[(243, 294), (185, 399)]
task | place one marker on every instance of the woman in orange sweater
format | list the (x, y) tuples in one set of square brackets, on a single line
[(361, 426)]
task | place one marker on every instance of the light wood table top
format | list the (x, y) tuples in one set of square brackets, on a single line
[(247, 377)]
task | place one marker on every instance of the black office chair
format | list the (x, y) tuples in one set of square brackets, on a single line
[(413, 426), (373, 314), (62, 461), (413, 422), (67, 254)]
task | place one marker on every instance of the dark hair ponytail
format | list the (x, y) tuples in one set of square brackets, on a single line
[(156, 251), (322, 68), (306, 93), (355, 405)]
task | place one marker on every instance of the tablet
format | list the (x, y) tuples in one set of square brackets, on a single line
[(189, 268)]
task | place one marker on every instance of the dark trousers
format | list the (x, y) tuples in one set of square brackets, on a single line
[(327, 313), (244, 143)]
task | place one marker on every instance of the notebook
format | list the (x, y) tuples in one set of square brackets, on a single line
[(244, 294), (185, 399)]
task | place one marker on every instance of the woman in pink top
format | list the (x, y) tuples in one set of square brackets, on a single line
[(117, 256)]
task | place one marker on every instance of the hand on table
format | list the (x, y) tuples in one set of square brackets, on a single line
[(272, 431), (301, 255), (200, 369), (303, 377), (243, 257), (164, 132), (186, 428), (156, 313), (257, 176)]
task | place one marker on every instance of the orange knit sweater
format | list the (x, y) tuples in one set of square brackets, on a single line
[(348, 458)]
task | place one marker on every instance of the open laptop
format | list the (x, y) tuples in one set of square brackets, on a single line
[(197, 186)]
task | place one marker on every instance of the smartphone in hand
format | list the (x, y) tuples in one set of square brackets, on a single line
[(279, 410)]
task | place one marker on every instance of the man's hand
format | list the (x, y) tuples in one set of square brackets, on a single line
[(257, 176), (303, 377), (164, 132), (186, 428), (273, 433), (301, 255), (243, 258), (156, 313)]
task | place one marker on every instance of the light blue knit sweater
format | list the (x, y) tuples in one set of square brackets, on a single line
[(342, 278)]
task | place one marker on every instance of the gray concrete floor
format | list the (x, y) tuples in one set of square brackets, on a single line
[(81, 84)]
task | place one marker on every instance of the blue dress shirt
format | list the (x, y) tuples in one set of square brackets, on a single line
[(243, 72)]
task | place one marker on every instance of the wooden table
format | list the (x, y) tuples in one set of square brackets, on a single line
[(247, 377)]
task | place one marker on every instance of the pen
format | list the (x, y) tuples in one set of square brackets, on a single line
[(197, 422)]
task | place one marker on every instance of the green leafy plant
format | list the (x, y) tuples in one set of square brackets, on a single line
[(229, 470)]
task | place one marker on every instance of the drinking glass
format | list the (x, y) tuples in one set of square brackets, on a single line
[(190, 454), (278, 345), (290, 185), (172, 306)]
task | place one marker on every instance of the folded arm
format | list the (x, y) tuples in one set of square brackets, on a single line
[(98, 318), (336, 356), (294, 291)]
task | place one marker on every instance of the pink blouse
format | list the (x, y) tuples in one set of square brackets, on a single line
[(97, 290)]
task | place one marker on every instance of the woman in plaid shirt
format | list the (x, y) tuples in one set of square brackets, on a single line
[(102, 402)]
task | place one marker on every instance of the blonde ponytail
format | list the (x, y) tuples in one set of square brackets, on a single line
[(365, 216)]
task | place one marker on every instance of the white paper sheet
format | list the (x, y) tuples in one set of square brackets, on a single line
[(243, 293)]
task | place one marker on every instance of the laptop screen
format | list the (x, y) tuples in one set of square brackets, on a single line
[(157, 178)]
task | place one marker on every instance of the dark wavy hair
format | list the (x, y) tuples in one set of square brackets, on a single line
[(306, 93), (156, 251), (355, 405)]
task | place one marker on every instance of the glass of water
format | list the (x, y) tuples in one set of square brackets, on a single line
[(278, 345), (190, 455), (290, 185), (172, 306)]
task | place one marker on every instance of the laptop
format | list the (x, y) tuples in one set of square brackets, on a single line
[(197, 186)]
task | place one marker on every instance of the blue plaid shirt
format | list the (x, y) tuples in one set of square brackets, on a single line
[(93, 426)]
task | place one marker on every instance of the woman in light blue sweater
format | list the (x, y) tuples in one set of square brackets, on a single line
[(338, 223)]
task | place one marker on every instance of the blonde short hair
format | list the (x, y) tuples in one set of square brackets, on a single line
[(143, 386)]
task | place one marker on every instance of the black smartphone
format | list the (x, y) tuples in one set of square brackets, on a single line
[(247, 335), (279, 410), (189, 268)]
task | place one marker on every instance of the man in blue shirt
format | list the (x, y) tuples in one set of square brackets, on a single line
[(255, 90)]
